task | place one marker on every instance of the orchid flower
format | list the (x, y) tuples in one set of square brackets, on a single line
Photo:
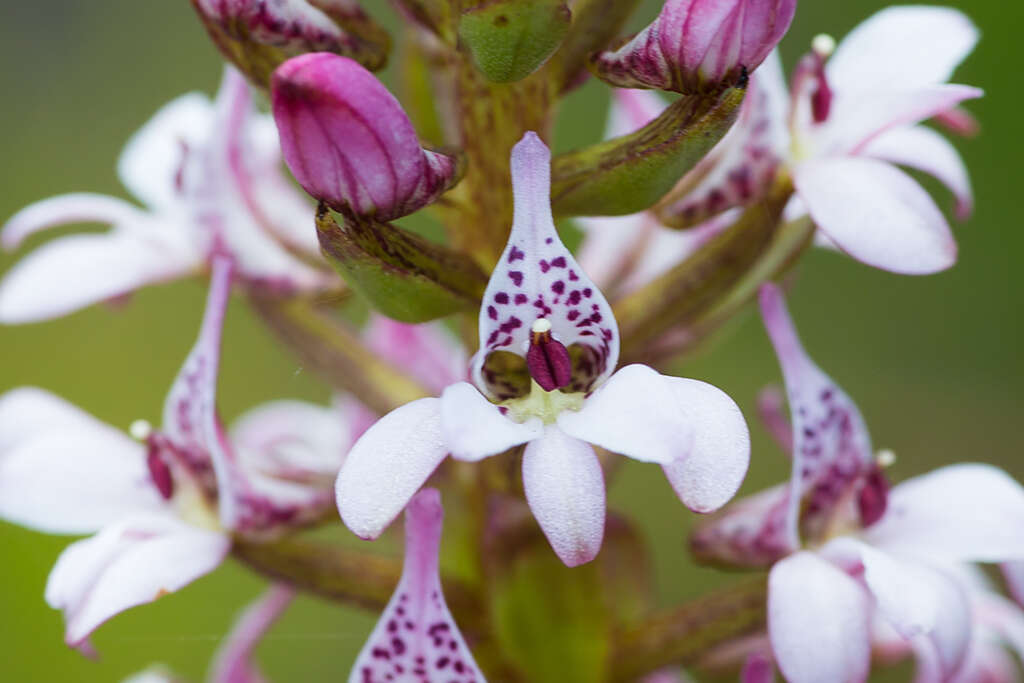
[(850, 119), (416, 637), (540, 307), (161, 511), (210, 177), (625, 252), (851, 549)]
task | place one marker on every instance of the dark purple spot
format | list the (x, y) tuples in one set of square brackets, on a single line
[(573, 276), (516, 277), (573, 314), (520, 299), (557, 286), (558, 262), (544, 266), (492, 312), (501, 298), (398, 645), (587, 292), (515, 254), (549, 240), (574, 298)]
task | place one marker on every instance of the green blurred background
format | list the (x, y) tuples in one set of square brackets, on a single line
[(934, 362)]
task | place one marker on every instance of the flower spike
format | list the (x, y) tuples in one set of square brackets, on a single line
[(537, 279), (416, 637)]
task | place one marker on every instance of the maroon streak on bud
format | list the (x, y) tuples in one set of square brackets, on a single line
[(697, 46), (349, 143), (873, 497), (547, 359), (159, 472)]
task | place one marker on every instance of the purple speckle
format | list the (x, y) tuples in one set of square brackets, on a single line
[(558, 262), (515, 254), (516, 277), (492, 312), (557, 286), (521, 299)]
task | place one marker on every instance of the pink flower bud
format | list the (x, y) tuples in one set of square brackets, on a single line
[(698, 45), (349, 143)]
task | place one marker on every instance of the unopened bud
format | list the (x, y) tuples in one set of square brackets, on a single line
[(698, 46), (547, 360), (349, 143)]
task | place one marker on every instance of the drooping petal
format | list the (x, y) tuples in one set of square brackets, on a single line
[(234, 661), (923, 149), (132, 562), (75, 271), (923, 604), (67, 209), (902, 47), (877, 214), (564, 486), (537, 277), (416, 637), (818, 622), (474, 428), (692, 429), (152, 162), (831, 445), (388, 464), (428, 352), (960, 513)]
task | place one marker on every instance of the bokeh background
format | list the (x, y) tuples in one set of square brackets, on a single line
[(934, 362)]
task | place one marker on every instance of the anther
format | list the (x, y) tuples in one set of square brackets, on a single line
[(547, 359), (140, 430)]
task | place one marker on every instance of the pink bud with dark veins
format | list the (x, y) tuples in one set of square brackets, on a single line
[(547, 360), (349, 143), (697, 46)]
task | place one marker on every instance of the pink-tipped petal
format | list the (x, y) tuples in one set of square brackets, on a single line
[(902, 47), (428, 352), (960, 513), (474, 428), (68, 209), (349, 143), (130, 563), (564, 486), (877, 214), (388, 464), (79, 270), (831, 445), (925, 150), (818, 622), (692, 429), (750, 532), (537, 277), (234, 661), (416, 637)]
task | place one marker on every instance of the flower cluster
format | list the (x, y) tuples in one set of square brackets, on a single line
[(690, 208)]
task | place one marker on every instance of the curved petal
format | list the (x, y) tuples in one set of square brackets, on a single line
[(877, 214), (129, 563), (27, 412), (416, 635), (151, 162), (388, 464), (564, 486), (68, 209), (691, 428), (967, 512), (474, 428), (925, 150), (537, 277), (902, 47), (818, 622), (234, 661), (75, 271)]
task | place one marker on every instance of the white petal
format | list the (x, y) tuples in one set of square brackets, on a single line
[(877, 214), (902, 47), (923, 149), (75, 482), (388, 464), (564, 486), (474, 428), (68, 209), (78, 270), (153, 157), (817, 622), (127, 564), (691, 428), (28, 412), (966, 512)]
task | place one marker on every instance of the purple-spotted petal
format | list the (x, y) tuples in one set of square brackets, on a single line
[(132, 562), (474, 428), (902, 47), (818, 622), (234, 661), (923, 149), (427, 352), (692, 429), (416, 637), (388, 464), (751, 532), (564, 486), (537, 277), (960, 513), (877, 214), (831, 444)]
